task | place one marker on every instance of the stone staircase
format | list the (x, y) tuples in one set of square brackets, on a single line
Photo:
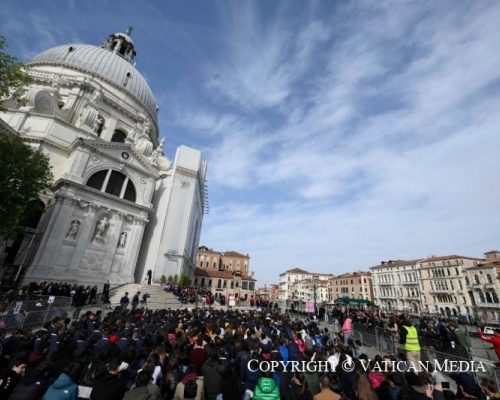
[(159, 298)]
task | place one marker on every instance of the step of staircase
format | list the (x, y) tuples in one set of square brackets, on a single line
[(159, 298)]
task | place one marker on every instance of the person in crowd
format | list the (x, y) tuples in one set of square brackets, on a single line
[(140, 390), (494, 340), (65, 387), (11, 376), (326, 393), (124, 301), (409, 338), (110, 386), (347, 329), (135, 301), (359, 349), (467, 388), (34, 384), (489, 388), (298, 389), (213, 371), (266, 388), (362, 389)]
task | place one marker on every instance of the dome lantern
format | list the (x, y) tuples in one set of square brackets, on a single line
[(121, 44)]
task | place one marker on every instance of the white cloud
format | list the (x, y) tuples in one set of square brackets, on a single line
[(416, 179)]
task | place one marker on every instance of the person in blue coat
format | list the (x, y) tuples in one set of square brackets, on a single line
[(65, 387)]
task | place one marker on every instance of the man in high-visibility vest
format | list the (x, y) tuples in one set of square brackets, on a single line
[(409, 338)]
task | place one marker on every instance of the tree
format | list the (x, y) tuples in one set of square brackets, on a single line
[(170, 279), (185, 281), (24, 174), (163, 279), (12, 73), (176, 278)]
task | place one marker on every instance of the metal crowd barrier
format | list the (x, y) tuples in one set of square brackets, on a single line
[(32, 318), (430, 351), (36, 318), (31, 305), (11, 321)]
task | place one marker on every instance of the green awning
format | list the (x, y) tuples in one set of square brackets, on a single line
[(347, 300)]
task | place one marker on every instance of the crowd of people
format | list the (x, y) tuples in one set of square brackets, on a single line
[(80, 294), (206, 353)]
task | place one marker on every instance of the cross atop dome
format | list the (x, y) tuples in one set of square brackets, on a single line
[(121, 44)]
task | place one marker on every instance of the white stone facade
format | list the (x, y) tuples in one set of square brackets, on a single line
[(92, 113)]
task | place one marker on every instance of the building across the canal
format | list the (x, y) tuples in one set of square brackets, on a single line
[(224, 273)]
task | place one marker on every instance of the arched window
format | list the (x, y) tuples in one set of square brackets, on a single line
[(97, 180), (488, 298), (467, 281), (202, 282), (488, 278), (114, 183), (495, 297), (476, 279), (118, 136), (481, 297), (219, 284)]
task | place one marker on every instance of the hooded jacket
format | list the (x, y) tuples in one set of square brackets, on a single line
[(266, 389), (109, 387), (62, 389)]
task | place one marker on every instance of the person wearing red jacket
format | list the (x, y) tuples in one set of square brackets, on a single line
[(494, 340)]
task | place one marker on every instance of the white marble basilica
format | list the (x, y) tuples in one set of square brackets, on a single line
[(118, 207)]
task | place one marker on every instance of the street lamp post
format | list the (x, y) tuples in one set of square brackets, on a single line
[(314, 292)]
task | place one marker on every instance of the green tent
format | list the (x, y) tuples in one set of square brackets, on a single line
[(347, 300)]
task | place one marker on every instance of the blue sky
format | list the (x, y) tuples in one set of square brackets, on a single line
[(338, 133)]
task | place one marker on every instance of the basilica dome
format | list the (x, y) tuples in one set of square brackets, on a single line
[(110, 62)]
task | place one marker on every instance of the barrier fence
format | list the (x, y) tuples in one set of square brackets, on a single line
[(35, 305), (430, 350)]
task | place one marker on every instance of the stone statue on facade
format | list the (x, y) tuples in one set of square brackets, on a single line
[(157, 152), (134, 135), (97, 125), (97, 95), (129, 30), (146, 128), (73, 229), (123, 240), (81, 116), (101, 227)]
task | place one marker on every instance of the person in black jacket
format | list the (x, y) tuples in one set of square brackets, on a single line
[(110, 386), (298, 389), (232, 388), (11, 376), (213, 372), (34, 384)]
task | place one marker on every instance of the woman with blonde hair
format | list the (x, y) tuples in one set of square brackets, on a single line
[(160, 350), (362, 387)]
